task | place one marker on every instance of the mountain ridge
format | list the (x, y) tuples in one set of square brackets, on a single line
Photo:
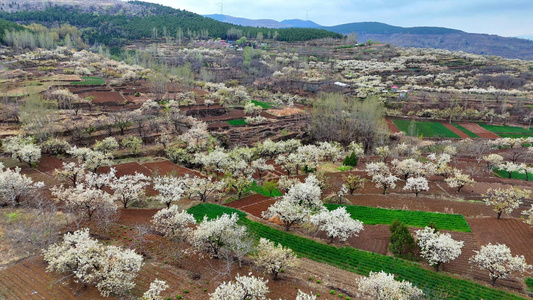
[(428, 37)]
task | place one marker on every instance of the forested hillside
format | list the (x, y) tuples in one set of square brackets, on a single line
[(116, 29), (7, 25)]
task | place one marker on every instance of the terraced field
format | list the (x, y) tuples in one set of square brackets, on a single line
[(424, 129), (373, 215), (362, 262)]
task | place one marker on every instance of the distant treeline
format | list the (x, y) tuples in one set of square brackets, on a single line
[(6, 25), (115, 30)]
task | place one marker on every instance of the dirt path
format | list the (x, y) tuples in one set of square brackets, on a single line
[(480, 131), (456, 130), (392, 127)]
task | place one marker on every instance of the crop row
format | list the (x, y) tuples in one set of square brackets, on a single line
[(374, 215), (425, 129), (362, 262), (506, 129), (90, 81)]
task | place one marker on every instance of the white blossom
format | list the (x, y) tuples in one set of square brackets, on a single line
[(459, 180), (14, 186), (357, 148), (337, 224), (129, 188), (211, 235), (170, 189), (528, 215), (497, 259), (111, 269), (173, 222), (417, 185), (437, 248), (303, 296), (493, 160), (244, 287), (273, 258), (375, 168), (382, 286), (505, 200), (84, 200), (156, 287), (385, 181)]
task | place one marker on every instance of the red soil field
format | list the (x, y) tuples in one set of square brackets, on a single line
[(391, 126), (127, 169), (482, 132), (104, 97), (456, 130), (166, 167)]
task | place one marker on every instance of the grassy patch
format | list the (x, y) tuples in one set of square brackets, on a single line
[(514, 175), (90, 81), (263, 104), (11, 163), (361, 262), (468, 132), (236, 122), (424, 129), (529, 283), (259, 190), (140, 160), (506, 129), (515, 135), (374, 215)]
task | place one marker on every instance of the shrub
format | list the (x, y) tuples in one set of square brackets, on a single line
[(402, 242), (350, 160), (55, 146)]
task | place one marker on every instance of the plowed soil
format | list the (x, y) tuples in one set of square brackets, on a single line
[(392, 127), (456, 130), (127, 169), (167, 167), (480, 131)]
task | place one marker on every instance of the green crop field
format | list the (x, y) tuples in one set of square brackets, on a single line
[(515, 135), (468, 132), (373, 215), (90, 81), (424, 129), (362, 262), (236, 122), (506, 129), (514, 175), (259, 190), (263, 104)]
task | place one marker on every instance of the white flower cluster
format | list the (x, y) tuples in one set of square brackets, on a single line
[(382, 286), (14, 186), (244, 287), (505, 200), (437, 248), (497, 259), (337, 224), (111, 269)]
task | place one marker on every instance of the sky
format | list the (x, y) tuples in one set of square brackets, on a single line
[(501, 17)]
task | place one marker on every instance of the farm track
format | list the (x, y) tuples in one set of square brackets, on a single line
[(456, 130)]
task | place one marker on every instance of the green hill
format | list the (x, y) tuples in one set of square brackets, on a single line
[(116, 29), (382, 28), (7, 25)]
